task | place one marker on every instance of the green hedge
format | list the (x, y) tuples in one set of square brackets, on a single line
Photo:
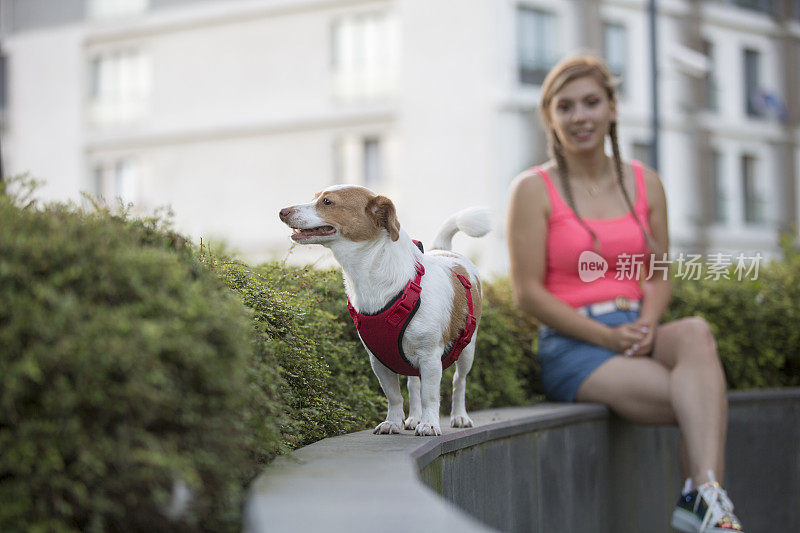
[(123, 368), (754, 320), (305, 349), (130, 361)]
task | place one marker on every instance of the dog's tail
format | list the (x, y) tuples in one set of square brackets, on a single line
[(474, 221)]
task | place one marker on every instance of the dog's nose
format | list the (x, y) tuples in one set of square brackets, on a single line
[(285, 212)]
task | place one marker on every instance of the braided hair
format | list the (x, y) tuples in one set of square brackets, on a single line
[(564, 72)]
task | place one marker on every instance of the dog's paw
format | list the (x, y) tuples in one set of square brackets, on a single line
[(460, 421), (411, 422), (387, 428), (427, 430)]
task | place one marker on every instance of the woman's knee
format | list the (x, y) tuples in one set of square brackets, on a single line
[(696, 332), (699, 342)]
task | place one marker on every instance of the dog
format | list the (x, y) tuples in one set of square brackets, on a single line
[(379, 262)]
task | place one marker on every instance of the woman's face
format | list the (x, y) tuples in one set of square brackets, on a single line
[(580, 113)]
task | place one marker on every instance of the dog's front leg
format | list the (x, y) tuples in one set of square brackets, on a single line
[(431, 378), (414, 403), (391, 388)]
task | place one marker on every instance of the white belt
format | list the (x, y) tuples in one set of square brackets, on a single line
[(620, 303)]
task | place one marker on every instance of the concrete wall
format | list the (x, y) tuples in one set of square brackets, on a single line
[(549, 467), (608, 475)]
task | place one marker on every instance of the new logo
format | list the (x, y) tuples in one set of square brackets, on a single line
[(591, 266)]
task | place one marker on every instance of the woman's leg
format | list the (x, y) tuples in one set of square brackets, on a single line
[(682, 382), (698, 392)]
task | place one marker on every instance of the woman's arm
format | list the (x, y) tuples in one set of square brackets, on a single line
[(657, 290)]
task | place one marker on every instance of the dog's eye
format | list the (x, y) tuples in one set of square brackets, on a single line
[(326, 201)]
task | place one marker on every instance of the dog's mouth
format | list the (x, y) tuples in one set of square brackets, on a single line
[(321, 231)]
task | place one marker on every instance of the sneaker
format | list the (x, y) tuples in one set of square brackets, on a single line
[(706, 509)]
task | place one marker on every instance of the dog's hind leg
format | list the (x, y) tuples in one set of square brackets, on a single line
[(458, 411), (391, 388), (430, 370), (414, 403)]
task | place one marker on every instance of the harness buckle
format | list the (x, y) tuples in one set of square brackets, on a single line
[(416, 287), (405, 305)]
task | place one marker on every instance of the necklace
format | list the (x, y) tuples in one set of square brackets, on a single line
[(593, 189)]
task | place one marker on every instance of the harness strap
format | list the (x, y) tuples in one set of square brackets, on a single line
[(469, 328)]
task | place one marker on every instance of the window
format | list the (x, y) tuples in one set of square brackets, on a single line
[(751, 195), (126, 180), (537, 35), (103, 9), (710, 100), (372, 162), (359, 159), (99, 182), (764, 6), (117, 179), (365, 57), (719, 200), (615, 43), (119, 88), (643, 151), (752, 63)]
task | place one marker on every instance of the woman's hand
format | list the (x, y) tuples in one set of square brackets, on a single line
[(634, 338), (645, 346)]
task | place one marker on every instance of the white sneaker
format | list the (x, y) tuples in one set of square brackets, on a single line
[(706, 509)]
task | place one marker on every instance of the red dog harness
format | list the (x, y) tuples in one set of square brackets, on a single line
[(383, 332)]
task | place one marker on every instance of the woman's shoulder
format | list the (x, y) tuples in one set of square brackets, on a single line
[(532, 180), (529, 186), (650, 175), (653, 185)]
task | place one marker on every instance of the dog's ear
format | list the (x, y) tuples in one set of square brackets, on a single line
[(382, 211)]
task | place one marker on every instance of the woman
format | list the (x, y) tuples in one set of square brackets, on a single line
[(602, 341)]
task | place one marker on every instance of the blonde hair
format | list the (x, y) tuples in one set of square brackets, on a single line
[(564, 72)]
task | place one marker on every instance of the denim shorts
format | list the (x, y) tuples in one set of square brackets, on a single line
[(566, 361)]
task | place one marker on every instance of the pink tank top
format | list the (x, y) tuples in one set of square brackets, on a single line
[(574, 271)]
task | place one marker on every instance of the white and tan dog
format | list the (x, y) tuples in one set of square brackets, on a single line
[(378, 259)]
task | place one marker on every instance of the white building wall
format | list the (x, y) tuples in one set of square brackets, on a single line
[(446, 118), (45, 118), (243, 120)]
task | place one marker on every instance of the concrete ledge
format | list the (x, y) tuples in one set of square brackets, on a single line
[(547, 467)]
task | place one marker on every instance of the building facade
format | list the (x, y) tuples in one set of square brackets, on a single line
[(228, 110)]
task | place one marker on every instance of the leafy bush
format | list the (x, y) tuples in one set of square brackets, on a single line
[(754, 320), (123, 378), (305, 347)]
